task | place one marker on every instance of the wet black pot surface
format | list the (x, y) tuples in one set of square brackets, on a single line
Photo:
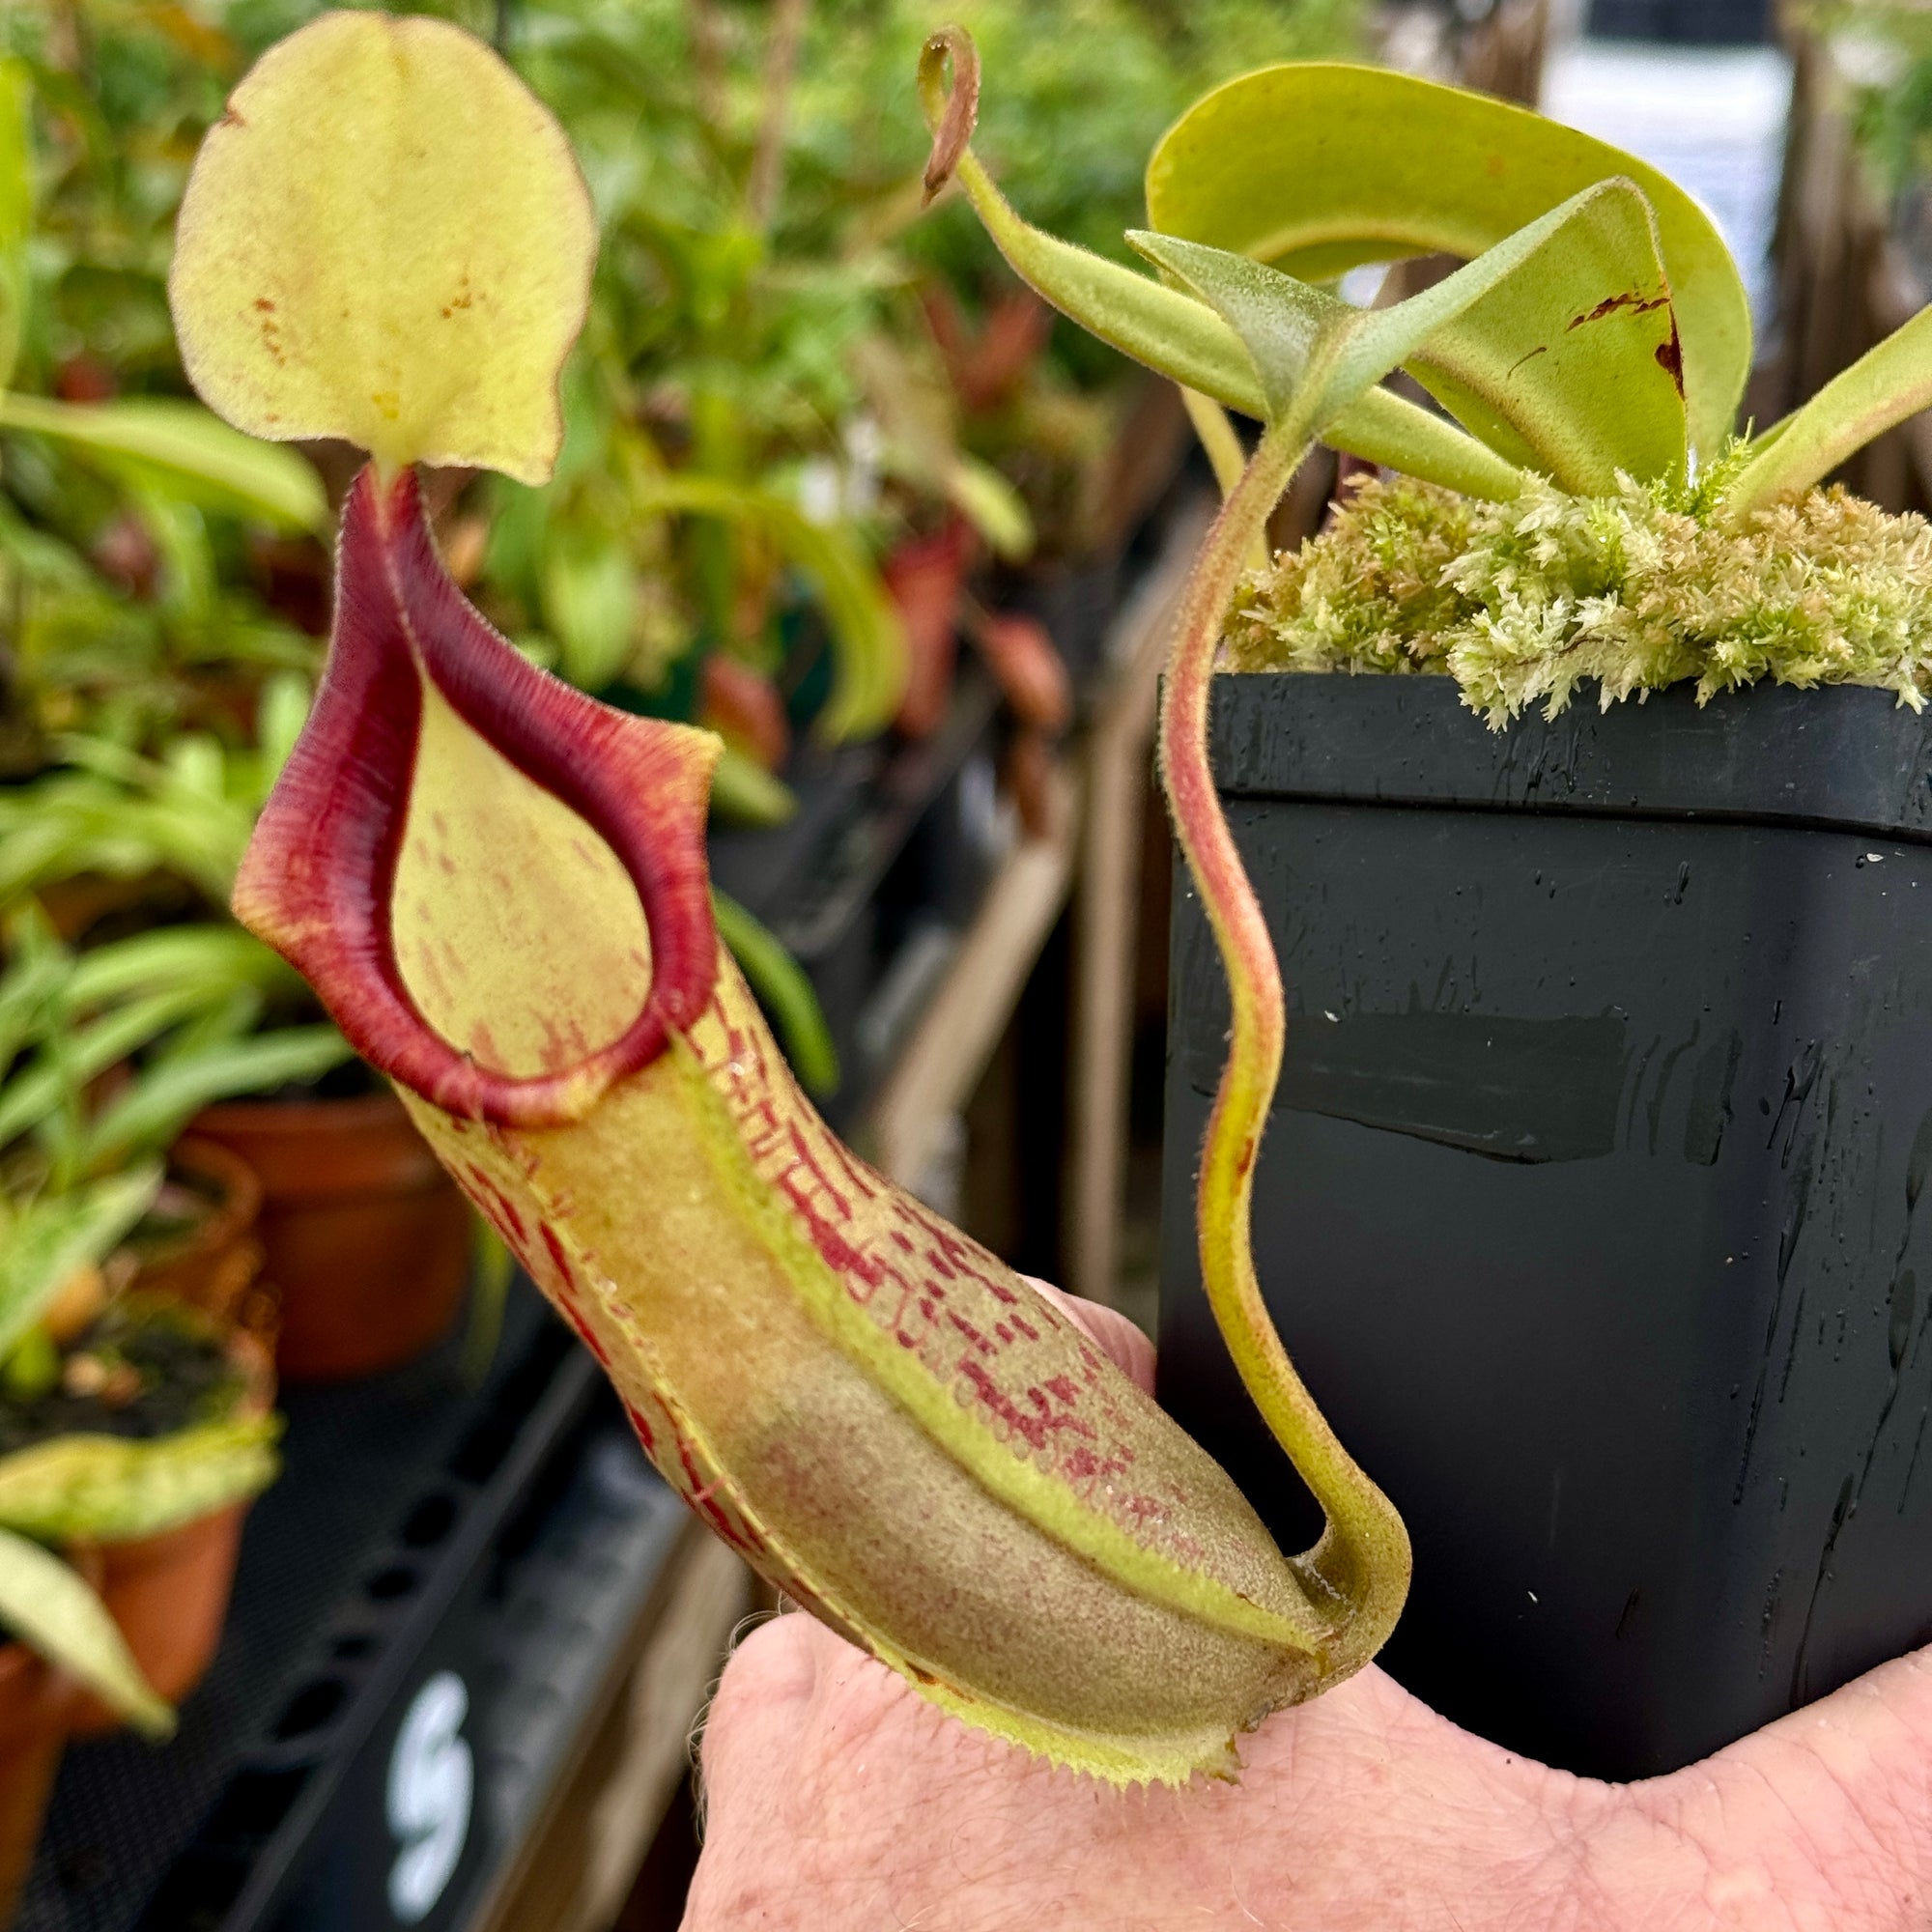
[(1588, 1205)]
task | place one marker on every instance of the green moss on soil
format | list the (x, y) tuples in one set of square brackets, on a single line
[(1521, 603)]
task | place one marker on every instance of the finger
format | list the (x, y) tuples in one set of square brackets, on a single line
[(768, 1684), (1119, 1340)]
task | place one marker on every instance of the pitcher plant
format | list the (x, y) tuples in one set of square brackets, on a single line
[(499, 887)]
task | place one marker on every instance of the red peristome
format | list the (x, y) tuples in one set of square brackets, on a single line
[(318, 877)]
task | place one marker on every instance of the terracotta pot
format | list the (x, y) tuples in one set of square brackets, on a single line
[(34, 1705), (212, 1264), (169, 1594), (37, 1706), (364, 1236)]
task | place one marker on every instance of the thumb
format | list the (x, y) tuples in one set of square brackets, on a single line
[(1119, 1340)]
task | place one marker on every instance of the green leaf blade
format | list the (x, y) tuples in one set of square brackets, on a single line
[(1881, 389), (16, 210), (1564, 336), (1170, 333), (186, 446), (1282, 164), (1584, 273), (49, 1241), (51, 1609), (1281, 322), (109, 1489), (867, 641), (169, 1095)]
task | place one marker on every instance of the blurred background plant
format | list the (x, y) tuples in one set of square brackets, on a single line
[(1881, 56), (784, 375), (106, 1055), (1885, 52), (796, 420), (131, 521), (125, 1411)]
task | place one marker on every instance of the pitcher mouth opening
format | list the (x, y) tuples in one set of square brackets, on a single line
[(318, 882)]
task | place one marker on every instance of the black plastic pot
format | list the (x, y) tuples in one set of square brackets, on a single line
[(1588, 1207)]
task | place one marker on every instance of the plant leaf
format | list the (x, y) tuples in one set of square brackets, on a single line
[(744, 793), (186, 447), (211, 958), (493, 1267), (786, 994), (865, 632), (50, 1607), (1887, 383), (108, 1489), (17, 209), (1590, 316), (1282, 323), (49, 1240), (280, 713), (1317, 167), (589, 604), (1529, 285), (67, 1063), (37, 974), (385, 238), (169, 1093), (1185, 339), (991, 505)]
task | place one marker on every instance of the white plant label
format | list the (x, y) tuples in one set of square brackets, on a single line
[(432, 1781)]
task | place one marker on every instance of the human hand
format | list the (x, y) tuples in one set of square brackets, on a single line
[(837, 1801)]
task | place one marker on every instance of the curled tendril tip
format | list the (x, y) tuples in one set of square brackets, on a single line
[(950, 112)]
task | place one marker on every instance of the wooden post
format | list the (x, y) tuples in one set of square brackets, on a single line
[(1107, 896)]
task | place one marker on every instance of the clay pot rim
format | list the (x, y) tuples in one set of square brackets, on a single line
[(229, 1217), (361, 1147)]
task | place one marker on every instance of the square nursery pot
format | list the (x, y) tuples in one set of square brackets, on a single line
[(1589, 1206)]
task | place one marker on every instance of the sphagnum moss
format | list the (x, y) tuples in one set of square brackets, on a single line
[(1525, 601)]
